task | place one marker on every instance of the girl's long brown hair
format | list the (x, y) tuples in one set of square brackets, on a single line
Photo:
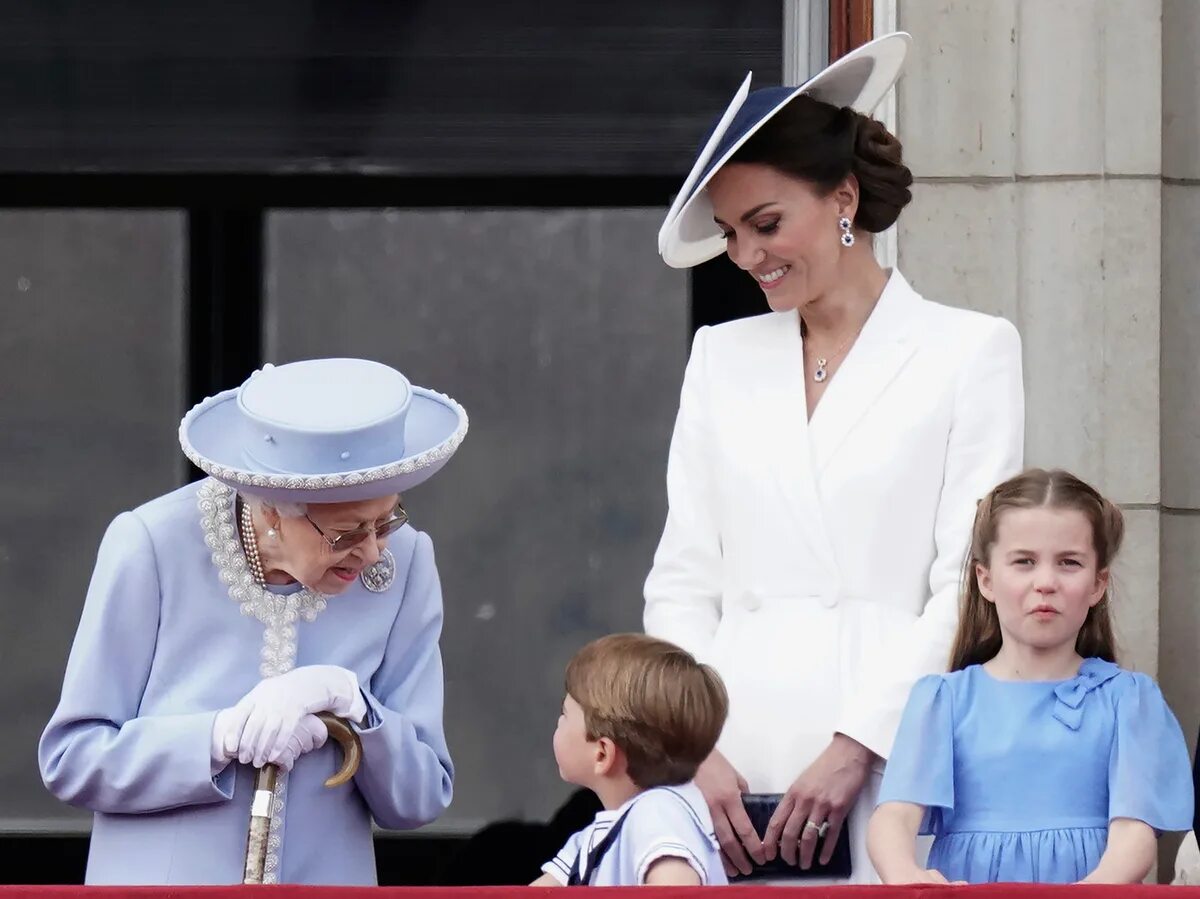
[(978, 638)]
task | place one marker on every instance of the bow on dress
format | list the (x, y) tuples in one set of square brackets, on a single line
[(1069, 695)]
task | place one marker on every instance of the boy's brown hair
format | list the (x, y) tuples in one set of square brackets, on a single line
[(652, 699)]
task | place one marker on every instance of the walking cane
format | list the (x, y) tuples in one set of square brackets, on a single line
[(264, 793)]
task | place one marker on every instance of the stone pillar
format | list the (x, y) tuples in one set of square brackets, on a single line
[(1180, 367), (1033, 130), (1056, 147)]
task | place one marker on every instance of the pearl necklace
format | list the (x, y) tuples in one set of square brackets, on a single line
[(250, 545)]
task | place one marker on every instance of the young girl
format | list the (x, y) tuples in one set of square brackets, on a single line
[(1037, 758)]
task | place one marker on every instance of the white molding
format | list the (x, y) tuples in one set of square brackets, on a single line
[(886, 21), (806, 52), (805, 39)]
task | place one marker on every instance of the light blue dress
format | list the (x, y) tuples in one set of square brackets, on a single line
[(1021, 778), (162, 645)]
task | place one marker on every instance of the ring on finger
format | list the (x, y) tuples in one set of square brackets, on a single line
[(821, 829)]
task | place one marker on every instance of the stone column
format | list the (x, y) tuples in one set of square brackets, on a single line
[(1033, 130), (1180, 367), (1056, 145)]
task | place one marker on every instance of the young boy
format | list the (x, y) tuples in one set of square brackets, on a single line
[(639, 717)]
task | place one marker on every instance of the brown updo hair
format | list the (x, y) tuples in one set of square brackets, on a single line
[(822, 144)]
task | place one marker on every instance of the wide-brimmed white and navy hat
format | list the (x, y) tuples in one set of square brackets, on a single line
[(860, 79), (323, 431)]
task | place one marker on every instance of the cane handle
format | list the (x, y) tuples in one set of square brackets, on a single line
[(348, 739)]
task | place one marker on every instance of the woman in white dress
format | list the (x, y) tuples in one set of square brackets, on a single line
[(825, 464)]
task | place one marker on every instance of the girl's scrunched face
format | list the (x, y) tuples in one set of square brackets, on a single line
[(780, 230), (1042, 576)]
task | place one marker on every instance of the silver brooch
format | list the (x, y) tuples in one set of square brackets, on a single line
[(379, 576)]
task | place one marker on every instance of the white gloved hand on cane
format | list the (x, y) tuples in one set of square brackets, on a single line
[(275, 722), (310, 733)]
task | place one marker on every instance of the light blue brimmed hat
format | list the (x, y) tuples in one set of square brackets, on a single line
[(323, 431), (860, 79)]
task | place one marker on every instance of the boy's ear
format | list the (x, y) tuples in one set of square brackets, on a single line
[(609, 759)]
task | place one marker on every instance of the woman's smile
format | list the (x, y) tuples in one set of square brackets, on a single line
[(771, 279)]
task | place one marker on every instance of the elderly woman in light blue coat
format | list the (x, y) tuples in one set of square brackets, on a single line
[(223, 616)]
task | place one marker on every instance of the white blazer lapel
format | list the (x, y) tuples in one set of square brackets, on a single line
[(880, 352), (790, 454)]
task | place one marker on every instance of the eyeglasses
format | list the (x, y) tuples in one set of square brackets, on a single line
[(348, 539)]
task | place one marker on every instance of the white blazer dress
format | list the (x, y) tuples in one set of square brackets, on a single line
[(816, 564)]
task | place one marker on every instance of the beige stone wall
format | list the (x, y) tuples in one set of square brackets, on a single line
[(1056, 148), (1179, 665)]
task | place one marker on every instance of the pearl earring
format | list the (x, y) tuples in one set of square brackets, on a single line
[(847, 235), (272, 533)]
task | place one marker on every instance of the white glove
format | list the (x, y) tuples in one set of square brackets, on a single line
[(309, 734), (227, 734), (279, 704)]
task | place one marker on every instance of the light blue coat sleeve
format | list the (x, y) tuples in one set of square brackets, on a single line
[(1149, 772), (406, 776), (920, 769), (97, 751)]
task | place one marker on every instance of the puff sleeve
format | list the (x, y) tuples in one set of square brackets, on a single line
[(920, 769), (1149, 774)]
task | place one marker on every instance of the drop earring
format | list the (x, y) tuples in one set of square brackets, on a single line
[(847, 235)]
